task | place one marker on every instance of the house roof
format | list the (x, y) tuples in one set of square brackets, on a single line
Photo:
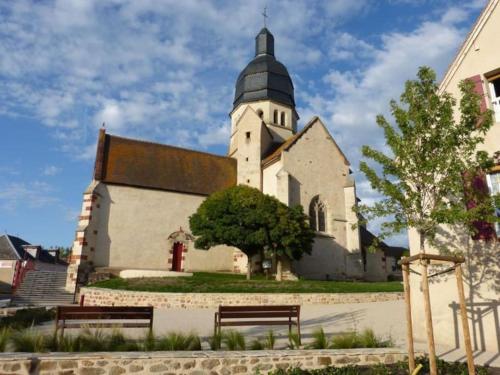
[(468, 41), (285, 146), (368, 237), (11, 247), (131, 162)]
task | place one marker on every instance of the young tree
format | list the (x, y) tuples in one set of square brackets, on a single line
[(422, 177), (249, 220)]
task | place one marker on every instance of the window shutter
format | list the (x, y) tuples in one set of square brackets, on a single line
[(479, 89), (479, 188)]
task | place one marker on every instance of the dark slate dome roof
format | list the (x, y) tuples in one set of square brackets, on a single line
[(264, 77)]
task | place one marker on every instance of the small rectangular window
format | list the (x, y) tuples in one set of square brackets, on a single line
[(493, 181), (494, 84), (248, 135)]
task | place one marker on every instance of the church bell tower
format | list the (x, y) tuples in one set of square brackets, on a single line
[(263, 110)]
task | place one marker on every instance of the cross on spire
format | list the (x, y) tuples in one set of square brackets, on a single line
[(264, 14)]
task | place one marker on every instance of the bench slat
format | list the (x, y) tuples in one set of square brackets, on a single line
[(104, 325), (258, 314), (260, 308), (103, 315), (258, 323), (106, 308)]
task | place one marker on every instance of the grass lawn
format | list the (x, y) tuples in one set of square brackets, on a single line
[(202, 282)]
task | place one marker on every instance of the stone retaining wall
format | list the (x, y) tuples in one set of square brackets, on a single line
[(110, 297), (208, 362)]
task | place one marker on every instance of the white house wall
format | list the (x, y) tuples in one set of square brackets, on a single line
[(482, 270)]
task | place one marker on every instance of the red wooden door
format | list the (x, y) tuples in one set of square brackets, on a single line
[(177, 257)]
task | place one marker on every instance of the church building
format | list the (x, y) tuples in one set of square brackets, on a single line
[(135, 213)]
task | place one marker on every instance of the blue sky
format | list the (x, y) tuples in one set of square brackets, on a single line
[(165, 71)]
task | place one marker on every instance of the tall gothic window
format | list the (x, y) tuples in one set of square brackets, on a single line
[(317, 215), (275, 116), (283, 118), (260, 113)]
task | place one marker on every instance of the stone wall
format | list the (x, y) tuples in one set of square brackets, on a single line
[(110, 297), (203, 362)]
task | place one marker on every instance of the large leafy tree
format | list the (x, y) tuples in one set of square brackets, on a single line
[(246, 218), (430, 153)]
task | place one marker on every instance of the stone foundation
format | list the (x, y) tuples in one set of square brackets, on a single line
[(110, 297), (202, 362)]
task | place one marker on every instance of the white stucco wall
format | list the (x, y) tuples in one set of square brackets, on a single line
[(134, 226), (482, 269)]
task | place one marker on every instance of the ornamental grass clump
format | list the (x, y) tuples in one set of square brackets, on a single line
[(320, 341), (149, 341), (5, 334), (293, 340), (215, 341), (257, 345), (233, 340), (270, 340), (93, 340), (178, 341), (29, 340)]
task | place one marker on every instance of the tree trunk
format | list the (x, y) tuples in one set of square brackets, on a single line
[(249, 267), (422, 241), (279, 268)]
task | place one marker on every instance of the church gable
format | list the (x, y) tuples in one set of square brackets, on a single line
[(289, 143), (129, 162)]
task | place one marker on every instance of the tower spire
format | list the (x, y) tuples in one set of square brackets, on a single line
[(264, 43), (265, 16)]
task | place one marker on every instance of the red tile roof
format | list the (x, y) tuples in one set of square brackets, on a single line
[(150, 165)]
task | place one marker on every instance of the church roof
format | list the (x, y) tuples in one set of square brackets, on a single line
[(11, 247), (264, 78), (136, 163)]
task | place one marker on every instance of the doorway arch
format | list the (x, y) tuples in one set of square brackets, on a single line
[(178, 245)]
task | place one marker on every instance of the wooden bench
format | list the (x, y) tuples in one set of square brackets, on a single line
[(143, 316), (231, 316)]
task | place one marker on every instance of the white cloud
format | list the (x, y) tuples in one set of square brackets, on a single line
[(35, 194), (51, 170), (146, 68), (359, 93), (214, 136)]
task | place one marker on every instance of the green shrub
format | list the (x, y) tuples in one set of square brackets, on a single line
[(25, 318), (178, 341), (29, 340), (400, 368), (233, 340)]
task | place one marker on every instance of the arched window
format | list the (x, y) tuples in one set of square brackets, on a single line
[(275, 119), (282, 122), (260, 113), (317, 215)]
